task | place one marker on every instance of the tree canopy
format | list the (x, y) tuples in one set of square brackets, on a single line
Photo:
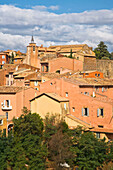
[(101, 51)]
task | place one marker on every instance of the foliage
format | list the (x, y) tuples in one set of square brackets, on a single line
[(101, 51), (12, 58), (71, 54), (58, 141), (24, 146), (89, 152)]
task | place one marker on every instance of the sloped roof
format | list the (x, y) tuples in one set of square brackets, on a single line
[(53, 96), (10, 89)]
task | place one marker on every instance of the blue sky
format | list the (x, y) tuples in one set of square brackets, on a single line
[(64, 5), (55, 22)]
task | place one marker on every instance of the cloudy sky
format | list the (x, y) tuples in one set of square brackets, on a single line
[(55, 22)]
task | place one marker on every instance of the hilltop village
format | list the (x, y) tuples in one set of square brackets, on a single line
[(63, 79)]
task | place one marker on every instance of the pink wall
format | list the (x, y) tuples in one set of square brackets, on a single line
[(64, 62), (79, 101)]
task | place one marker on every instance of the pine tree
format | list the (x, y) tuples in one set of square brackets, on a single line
[(101, 51)]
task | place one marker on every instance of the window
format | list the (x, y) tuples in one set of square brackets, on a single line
[(11, 82), (65, 106), (73, 109), (1, 121), (51, 84), (98, 135), (66, 94), (43, 81), (85, 111), (3, 57), (98, 75), (77, 58), (15, 60), (7, 115), (100, 112), (35, 83), (96, 88), (102, 89), (3, 62), (100, 126), (33, 48), (7, 103), (47, 68)]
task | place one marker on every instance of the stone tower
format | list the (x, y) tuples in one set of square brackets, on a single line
[(32, 54)]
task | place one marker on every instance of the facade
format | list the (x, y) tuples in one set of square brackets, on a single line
[(4, 59), (50, 103), (92, 74), (13, 99), (92, 103), (56, 64)]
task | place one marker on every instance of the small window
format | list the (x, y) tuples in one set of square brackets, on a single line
[(66, 94), (102, 89), (15, 60), (65, 106), (98, 75), (95, 75), (100, 112), (47, 68), (35, 83), (51, 84), (43, 81), (77, 58), (85, 111), (3, 62), (7, 103), (100, 126), (73, 109), (11, 82), (7, 115), (33, 48), (98, 135), (3, 57), (1, 121)]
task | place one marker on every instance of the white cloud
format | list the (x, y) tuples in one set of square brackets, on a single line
[(54, 7), (17, 25)]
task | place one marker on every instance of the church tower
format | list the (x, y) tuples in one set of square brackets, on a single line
[(32, 53)]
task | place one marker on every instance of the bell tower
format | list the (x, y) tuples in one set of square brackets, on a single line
[(32, 53)]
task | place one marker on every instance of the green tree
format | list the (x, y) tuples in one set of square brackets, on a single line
[(101, 51), (89, 151), (12, 58), (71, 54), (24, 146)]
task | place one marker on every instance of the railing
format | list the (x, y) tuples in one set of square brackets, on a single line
[(6, 107)]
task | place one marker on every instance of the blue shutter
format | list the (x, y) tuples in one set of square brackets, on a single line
[(82, 112), (97, 112)]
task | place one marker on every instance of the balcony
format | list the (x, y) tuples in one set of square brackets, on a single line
[(6, 107)]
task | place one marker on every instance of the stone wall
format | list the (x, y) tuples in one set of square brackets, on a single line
[(105, 66), (89, 63)]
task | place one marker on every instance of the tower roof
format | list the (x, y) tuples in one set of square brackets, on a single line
[(32, 39)]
